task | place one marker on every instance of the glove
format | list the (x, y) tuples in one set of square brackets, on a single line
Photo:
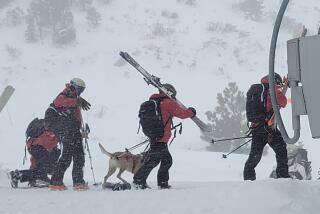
[(85, 105), (193, 111)]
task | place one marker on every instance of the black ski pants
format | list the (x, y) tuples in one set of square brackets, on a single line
[(69, 134), (260, 137), (46, 163), (158, 153)]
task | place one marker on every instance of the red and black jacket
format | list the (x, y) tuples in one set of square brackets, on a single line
[(169, 109), (47, 140), (67, 104)]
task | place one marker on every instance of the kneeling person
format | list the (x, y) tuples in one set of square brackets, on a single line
[(42, 144)]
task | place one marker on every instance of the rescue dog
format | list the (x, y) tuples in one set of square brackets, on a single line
[(125, 161)]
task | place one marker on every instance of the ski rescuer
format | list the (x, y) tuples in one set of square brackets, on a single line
[(259, 113), (159, 135), (42, 144), (65, 119)]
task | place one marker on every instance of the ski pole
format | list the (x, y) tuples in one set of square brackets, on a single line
[(137, 146), (86, 131), (226, 139), (225, 155)]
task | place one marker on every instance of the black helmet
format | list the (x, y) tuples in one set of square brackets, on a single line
[(78, 84), (277, 79), (170, 88)]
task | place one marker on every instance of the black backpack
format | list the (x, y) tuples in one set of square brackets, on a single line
[(151, 119), (256, 103), (35, 128)]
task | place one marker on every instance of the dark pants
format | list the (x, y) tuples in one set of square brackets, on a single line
[(69, 134), (260, 137), (158, 153), (46, 162)]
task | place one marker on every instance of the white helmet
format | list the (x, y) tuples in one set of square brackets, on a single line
[(78, 84)]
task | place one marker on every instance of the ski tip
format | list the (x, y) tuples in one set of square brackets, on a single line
[(10, 88), (122, 54)]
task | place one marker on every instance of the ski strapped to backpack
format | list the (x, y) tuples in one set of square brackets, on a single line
[(256, 103), (155, 81)]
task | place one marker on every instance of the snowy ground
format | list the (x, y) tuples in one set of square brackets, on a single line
[(202, 183)]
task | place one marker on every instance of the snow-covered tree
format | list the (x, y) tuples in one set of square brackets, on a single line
[(84, 4), (4, 3), (31, 32), (253, 9), (64, 35), (93, 17), (228, 120), (55, 16), (15, 16)]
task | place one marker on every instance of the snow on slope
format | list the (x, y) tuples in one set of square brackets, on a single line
[(199, 48), (196, 195)]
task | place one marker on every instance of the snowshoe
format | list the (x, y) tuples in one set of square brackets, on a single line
[(116, 186), (121, 186)]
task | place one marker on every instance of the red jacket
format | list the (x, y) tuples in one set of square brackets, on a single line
[(47, 139), (282, 100), (169, 108), (67, 101)]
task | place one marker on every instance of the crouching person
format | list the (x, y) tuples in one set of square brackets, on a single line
[(42, 144)]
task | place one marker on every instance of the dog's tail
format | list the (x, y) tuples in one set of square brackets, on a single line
[(104, 151)]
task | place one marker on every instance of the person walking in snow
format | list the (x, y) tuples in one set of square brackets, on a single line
[(159, 152), (259, 112), (65, 119), (44, 153)]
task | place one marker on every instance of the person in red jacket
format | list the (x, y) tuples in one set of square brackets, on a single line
[(64, 118), (263, 134), (158, 152), (44, 155)]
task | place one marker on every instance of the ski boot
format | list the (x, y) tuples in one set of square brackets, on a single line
[(61, 187), (141, 185), (14, 177), (81, 187)]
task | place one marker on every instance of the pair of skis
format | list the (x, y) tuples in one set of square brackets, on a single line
[(155, 81), (5, 96)]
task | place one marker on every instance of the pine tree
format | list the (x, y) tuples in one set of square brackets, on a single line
[(54, 15), (228, 120), (253, 9), (93, 17), (84, 4), (4, 3), (15, 16), (30, 34)]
